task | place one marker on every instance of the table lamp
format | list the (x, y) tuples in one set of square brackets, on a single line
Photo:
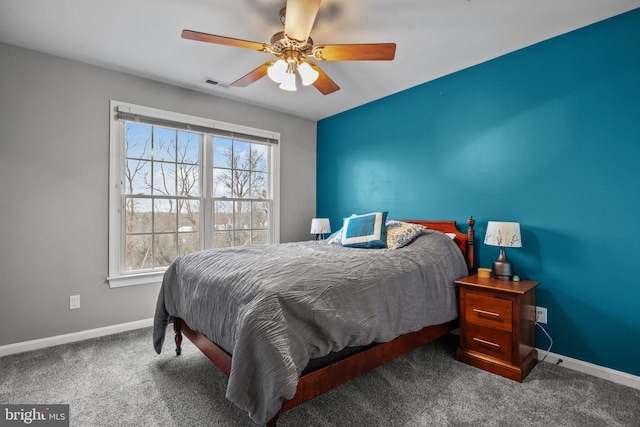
[(319, 227), (503, 234)]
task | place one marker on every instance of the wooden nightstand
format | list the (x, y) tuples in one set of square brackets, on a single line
[(497, 326)]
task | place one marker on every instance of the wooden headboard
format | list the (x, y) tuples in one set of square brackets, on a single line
[(464, 241)]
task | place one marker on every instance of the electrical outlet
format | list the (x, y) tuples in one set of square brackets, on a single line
[(541, 315), (74, 302)]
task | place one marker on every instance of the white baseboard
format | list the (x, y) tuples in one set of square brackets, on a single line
[(591, 369), (21, 347)]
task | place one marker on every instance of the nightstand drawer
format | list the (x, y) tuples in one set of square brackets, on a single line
[(491, 342), (487, 311)]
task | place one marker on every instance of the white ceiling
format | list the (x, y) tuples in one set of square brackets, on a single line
[(433, 37)]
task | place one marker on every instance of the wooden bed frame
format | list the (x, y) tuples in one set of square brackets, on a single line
[(342, 371)]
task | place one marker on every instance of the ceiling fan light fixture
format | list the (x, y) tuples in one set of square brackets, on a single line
[(307, 74), (289, 82), (293, 46), (277, 72)]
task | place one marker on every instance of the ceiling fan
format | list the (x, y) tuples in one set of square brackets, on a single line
[(294, 48)]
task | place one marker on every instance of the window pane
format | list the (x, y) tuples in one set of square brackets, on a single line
[(164, 249), (259, 185), (260, 213), (138, 141), (222, 239), (241, 183), (188, 180), (222, 152), (164, 178), (137, 177), (222, 183), (188, 215), (138, 215), (241, 155), (164, 144), (188, 147), (223, 216), (259, 237), (242, 238), (138, 252), (188, 242), (242, 215), (259, 157), (164, 215)]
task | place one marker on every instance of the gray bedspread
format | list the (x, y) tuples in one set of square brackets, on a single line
[(274, 307)]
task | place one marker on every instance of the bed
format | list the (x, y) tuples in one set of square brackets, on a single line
[(289, 322)]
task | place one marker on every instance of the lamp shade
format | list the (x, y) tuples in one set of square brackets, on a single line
[(504, 234), (307, 74), (320, 226), (288, 82), (277, 71)]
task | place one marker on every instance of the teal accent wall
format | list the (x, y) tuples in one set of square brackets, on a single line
[(548, 136)]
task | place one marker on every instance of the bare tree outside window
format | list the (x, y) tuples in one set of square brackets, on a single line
[(162, 195), (163, 198), (240, 192)]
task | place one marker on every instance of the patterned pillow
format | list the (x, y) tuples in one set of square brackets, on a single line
[(400, 234), (365, 231)]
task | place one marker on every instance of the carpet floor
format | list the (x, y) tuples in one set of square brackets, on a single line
[(119, 380)]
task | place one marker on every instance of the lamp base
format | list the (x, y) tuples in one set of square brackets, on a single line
[(502, 267)]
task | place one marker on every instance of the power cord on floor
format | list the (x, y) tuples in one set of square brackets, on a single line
[(548, 336)]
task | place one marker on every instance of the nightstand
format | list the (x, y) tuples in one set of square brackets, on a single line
[(497, 325)]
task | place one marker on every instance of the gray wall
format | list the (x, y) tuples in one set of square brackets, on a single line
[(54, 174)]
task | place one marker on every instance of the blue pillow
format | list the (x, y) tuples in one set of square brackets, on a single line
[(365, 231)]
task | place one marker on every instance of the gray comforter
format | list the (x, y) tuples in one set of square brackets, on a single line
[(275, 307)]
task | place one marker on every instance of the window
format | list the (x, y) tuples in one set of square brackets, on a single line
[(181, 184)]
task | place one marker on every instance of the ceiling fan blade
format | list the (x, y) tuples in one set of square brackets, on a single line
[(227, 41), (323, 83), (355, 52), (253, 76), (300, 15)]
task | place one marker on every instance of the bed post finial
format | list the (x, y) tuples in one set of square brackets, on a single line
[(470, 244)]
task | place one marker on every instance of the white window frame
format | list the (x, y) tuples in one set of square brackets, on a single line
[(118, 277)]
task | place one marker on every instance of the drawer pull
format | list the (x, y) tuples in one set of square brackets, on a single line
[(486, 313), (481, 341)]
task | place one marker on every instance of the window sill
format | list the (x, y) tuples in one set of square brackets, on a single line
[(136, 279)]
